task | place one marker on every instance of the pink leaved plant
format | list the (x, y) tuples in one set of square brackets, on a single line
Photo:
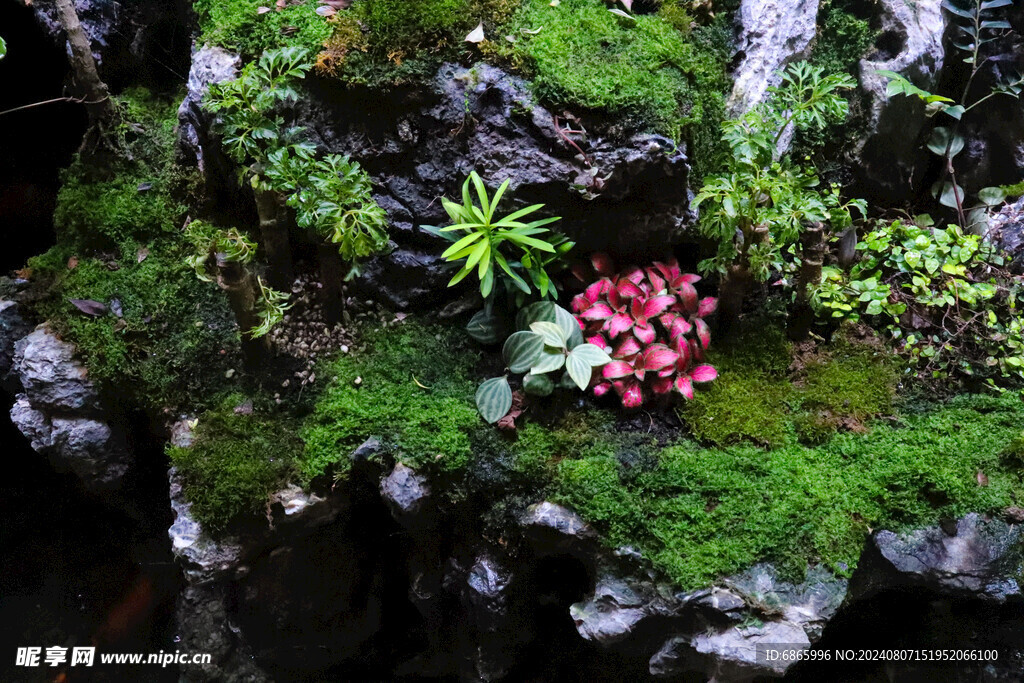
[(651, 322)]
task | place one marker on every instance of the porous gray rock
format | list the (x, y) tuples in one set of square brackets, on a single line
[(422, 142), (890, 159), (82, 445), (1006, 229), (974, 557), (209, 65), (773, 34), (60, 413), (52, 378), (12, 328), (552, 528), (406, 492), (486, 599)]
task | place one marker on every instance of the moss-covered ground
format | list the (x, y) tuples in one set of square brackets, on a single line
[(696, 507), (164, 338)]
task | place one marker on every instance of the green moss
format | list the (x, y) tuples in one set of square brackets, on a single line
[(235, 462), (384, 43), (643, 71), (1014, 191), (767, 392), (844, 36), (426, 427), (118, 244), (856, 380), (174, 339), (704, 513), (131, 199), (238, 25)]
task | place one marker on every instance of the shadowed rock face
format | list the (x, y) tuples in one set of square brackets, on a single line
[(419, 145)]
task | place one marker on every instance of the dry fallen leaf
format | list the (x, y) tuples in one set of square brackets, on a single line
[(628, 4), (141, 254), (89, 307), (476, 35), (326, 11), (72, 263), (262, 10), (982, 478)]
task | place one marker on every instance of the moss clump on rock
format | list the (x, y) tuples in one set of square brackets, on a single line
[(643, 71), (164, 339), (413, 388), (769, 393), (702, 513), (238, 457), (132, 198), (240, 25)]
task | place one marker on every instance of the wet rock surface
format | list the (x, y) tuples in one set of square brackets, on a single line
[(973, 557), (420, 145), (60, 413)]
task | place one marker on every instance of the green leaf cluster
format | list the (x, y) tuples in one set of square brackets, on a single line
[(332, 195), (548, 339), (978, 25), (479, 239), (757, 208), (944, 295)]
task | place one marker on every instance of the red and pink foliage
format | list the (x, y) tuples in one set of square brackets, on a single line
[(651, 322)]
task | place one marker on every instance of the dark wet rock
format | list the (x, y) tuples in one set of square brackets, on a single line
[(137, 41), (60, 412), (196, 142), (99, 19), (1006, 227), (367, 450), (487, 601), (12, 328), (552, 528), (975, 557), (420, 144), (617, 607), (406, 492), (891, 159)]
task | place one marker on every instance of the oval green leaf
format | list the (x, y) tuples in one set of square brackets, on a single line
[(593, 355), (547, 362), (494, 399), (538, 385), (521, 350), (484, 327), (552, 334), (579, 370)]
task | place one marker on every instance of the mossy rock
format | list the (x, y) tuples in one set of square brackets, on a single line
[(238, 457)]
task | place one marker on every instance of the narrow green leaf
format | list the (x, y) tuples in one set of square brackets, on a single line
[(461, 244)]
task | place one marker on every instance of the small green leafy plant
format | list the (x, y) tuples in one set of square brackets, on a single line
[(225, 257), (978, 26), (484, 238), (945, 295), (548, 340), (758, 207)]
